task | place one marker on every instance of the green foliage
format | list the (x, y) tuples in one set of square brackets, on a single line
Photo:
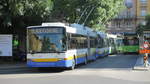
[(140, 28), (19, 10), (70, 10), (34, 12), (147, 18), (106, 10)]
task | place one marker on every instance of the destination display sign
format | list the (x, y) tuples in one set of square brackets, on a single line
[(46, 30)]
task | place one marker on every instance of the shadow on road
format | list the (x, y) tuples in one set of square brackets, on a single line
[(32, 71), (113, 62), (119, 61)]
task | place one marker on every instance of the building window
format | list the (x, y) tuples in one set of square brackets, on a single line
[(112, 24), (143, 12), (143, 1), (118, 24), (127, 24), (130, 24)]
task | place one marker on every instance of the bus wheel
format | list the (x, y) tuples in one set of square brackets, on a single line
[(86, 60), (73, 65), (95, 57)]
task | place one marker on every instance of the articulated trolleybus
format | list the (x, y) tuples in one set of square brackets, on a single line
[(58, 45)]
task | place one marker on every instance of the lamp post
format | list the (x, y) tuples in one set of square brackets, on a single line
[(129, 5)]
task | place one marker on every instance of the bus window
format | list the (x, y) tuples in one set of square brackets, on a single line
[(131, 41), (44, 41)]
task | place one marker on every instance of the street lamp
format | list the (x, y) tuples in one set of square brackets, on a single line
[(128, 19)]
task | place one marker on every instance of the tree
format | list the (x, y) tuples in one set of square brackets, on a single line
[(105, 10), (24, 12), (70, 11), (34, 12), (37, 11), (141, 27), (147, 19)]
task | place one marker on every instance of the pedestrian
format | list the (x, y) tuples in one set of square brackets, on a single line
[(147, 46), (146, 63)]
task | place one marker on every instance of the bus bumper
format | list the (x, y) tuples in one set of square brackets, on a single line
[(62, 63)]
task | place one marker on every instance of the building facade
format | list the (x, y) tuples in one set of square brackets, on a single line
[(143, 8), (128, 20)]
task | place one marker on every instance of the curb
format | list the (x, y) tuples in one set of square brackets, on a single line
[(139, 64), (8, 68), (13, 66)]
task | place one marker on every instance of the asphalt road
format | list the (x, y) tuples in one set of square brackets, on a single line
[(114, 69)]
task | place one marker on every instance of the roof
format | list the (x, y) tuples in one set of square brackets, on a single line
[(72, 28)]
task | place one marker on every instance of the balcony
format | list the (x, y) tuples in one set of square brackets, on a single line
[(144, 3), (131, 16)]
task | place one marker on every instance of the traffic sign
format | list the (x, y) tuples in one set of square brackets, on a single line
[(146, 45), (145, 48), (143, 51)]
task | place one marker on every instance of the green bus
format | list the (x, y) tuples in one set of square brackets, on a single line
[(130, 43), (119, 44)]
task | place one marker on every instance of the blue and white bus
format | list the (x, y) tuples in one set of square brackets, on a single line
[(59, 45), (103, 45), (112, 38)]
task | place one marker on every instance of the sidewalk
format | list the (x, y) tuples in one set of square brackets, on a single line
[(139, 64), (12, 66)]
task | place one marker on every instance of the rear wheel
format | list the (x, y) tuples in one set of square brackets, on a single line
[(86, 60), (95, 57), (73, 65)]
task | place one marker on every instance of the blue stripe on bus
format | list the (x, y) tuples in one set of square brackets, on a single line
[(102, 55), (80, 60), (62, 63)]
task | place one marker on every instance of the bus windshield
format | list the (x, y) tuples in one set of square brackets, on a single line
[(133, 41), (44, 40)]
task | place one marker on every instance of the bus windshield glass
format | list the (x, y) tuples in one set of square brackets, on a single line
[(130, 41), (44, 40)]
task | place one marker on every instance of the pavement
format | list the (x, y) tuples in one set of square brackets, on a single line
[(139, 65), (114, 69), (13, 66)]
